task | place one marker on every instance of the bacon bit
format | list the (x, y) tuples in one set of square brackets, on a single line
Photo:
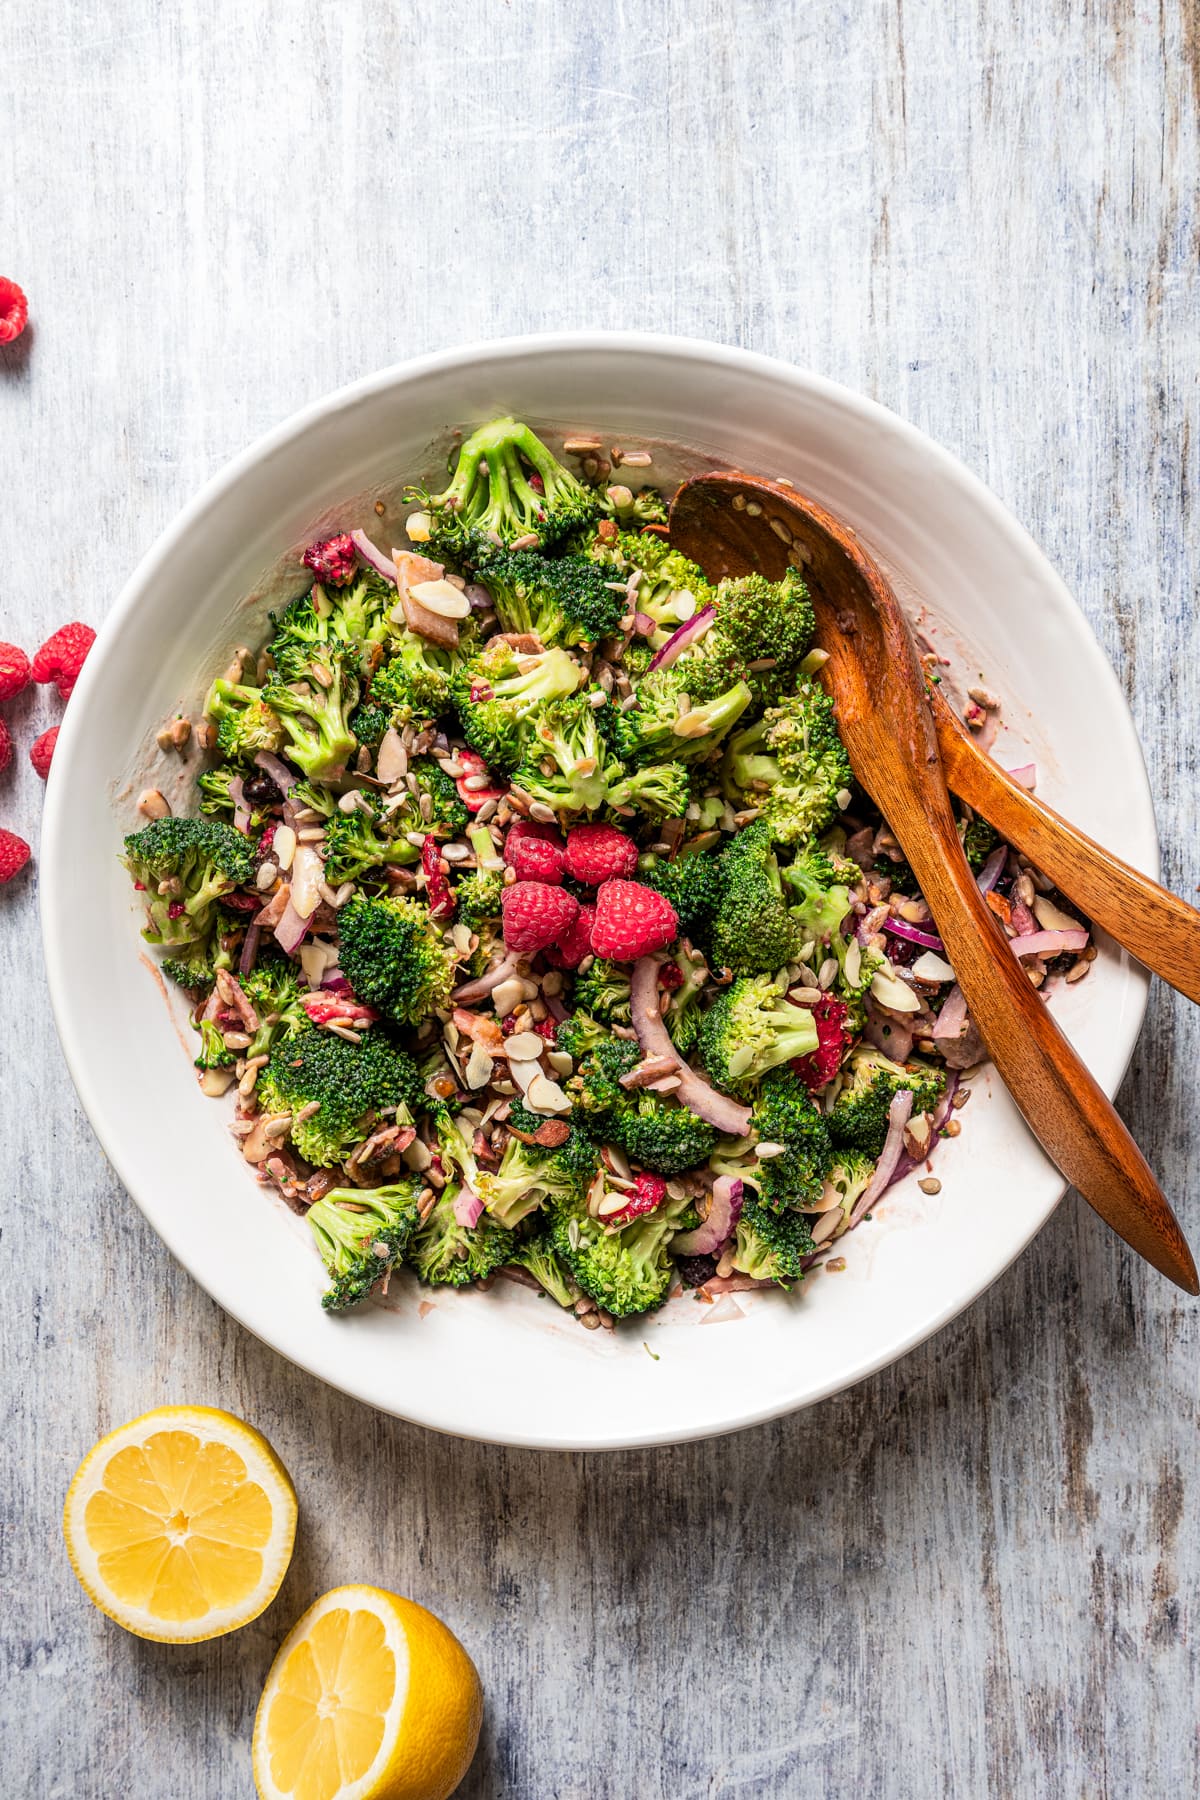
[(481, 1028), (441, 895), (325, 1008), (485, 1151), (999, 905)]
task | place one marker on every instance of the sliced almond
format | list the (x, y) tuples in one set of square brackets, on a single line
[(893, 993), (612, 1203), (525, 1046), (524, 1073), (442, 597), (1051, 918), (479, 1067), (932, 967), (391, 763), (418, 526), (545, 1096), (283, 846)]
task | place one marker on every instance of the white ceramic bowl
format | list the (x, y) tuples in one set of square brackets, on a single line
[(506, 1365)]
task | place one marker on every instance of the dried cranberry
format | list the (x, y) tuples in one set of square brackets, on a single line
[(821, 1065), (176, 909), (694, 1271), (260, 790), (670, 976), (441, 896)]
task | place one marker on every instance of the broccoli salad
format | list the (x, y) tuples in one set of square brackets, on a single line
[(532, 912)]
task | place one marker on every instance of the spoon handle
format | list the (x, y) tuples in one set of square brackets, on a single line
[(1062, 1102), (1161, 930)]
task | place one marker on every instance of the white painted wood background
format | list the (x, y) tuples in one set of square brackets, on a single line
[(976, 1574)]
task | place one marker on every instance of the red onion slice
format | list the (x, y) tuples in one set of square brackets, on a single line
[(714, 1108), (291, 930), (1048, 943), (889, 1032), (467, 1207), (717, 1229), (1025, 776), (249, 956), (899, 1113), (241, 811), (900, 928), (274, 766), (992, 869), (952, 1020), (680, 640), (373, 555)]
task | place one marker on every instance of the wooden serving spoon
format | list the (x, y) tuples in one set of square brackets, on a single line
[(887, 727)]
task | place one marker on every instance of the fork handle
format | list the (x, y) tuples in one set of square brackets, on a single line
[(1161, 930)]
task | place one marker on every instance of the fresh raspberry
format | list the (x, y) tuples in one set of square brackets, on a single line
[(570, 950), (632, 921), (536, 859), (548, 1029), (14, 310), (474, 798), (522, 831), (597, 853), (441, 896), (63, 655), (649, 1192), (42, 749), (833, 1036), (5, 745), (332, 560), (14, 854), (14, 671), (536, 914)]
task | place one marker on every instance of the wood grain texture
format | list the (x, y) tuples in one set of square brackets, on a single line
[(976, 1573)]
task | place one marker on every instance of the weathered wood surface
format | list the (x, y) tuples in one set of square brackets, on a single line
[(976, 1574)]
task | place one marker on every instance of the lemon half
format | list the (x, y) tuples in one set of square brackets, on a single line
[(369, 1698), (180, 1524)]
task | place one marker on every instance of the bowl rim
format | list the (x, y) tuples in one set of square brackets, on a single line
[(278, 438)]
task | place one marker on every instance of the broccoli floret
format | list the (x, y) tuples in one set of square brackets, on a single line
[(603, 990), (564, 765), (662, 790), (670, 588), (771, 1246), (213, 1053), (578, 1035), (415, 686), (528, 1176), (349, 1082), (274, 990), (315, 711), (195, 970), (978, 842), (449, 814), (681, 1008), (479, 896), (196, 861), (497, 692), (848, 1178), (362, 1233), (358, 613), (819, 899), (245, 720), (661, 1135), (358, 842), (750, 1028), (786, 1114), (507, 485), (752, 930), (537, 1255), (216, 801), (564, 601), (447, 1254), (859, 1119), (758, 618), (692, 885), (394, 957), (625, 1271), (668, 725), (369, 722), (595, 1088), (791, 764)]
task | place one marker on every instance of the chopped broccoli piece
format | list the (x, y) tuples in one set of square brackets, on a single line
[(978, 841), (670, 590), (213, 1052), (358, 842), (859, 1119), (315, 709), (447, 1254), (197, 861), (751, 1028), (819, 896), (595, 1088), (528, 1175), (497, 692), (791, 764), (662, 790), (479, 896), (245, 721), (507, 485), (564, 765), (395, 958), (771, 1246), (752, 930), (758, 618), (362, 1233), (578, 1035), (663, 728), (848, 1178), (786, 1114), (626, 1271), (603, 991), (415, 687), (537, 1255), (274, 989), (565, 601), (369, 722), (661, 1135), (349, 1082), (692, 885)]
